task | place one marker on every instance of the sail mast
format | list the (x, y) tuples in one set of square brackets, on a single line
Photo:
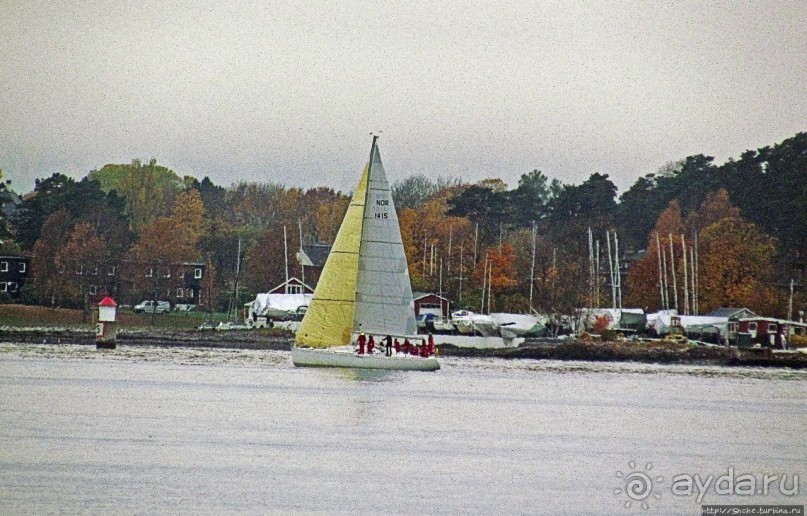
[(686, 279), (484, 279), (286, 256), (450, 238), (532, 266), (618, 273), (302, 265), (672, 273), (660, 272), (460, 278), (490, 282), (611, 269)]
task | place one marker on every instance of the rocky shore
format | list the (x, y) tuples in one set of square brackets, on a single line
[(654, 352)]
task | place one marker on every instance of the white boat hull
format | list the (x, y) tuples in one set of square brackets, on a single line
[(444, 325), (486, 328), (309, 357), (468, 341), (464, 326)]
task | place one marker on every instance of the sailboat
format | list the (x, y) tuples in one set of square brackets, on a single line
[(364, 286)]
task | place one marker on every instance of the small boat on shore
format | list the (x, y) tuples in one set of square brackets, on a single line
[(461, 319), (521, 325)]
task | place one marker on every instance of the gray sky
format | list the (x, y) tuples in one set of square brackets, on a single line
[(289, 92)]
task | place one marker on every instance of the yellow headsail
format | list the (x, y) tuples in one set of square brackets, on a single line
[(329, 318)]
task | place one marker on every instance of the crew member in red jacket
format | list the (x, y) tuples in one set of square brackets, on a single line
[(362, 341)]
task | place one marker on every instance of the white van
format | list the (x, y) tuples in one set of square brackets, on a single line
[(162, 307)]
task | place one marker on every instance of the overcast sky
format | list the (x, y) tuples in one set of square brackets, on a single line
[(290, 92)]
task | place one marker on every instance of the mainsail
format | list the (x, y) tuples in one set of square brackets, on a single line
[(384, 293), (364, 285)]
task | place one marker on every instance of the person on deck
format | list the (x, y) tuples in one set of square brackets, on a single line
[(406, 346), (397, 346), (424, 350), (388, 346), (362, 341), (431, 344), (370, 345)]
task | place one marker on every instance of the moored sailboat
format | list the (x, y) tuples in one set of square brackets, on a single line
[(364, 286)]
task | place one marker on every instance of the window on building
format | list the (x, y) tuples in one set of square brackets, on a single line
[(22, 266), (92, 289), (197, 273), (752, 326), (110, 270), (189, 293), (180, 292), (79, 269), (150, 272), (733, 327), (771, 327), (12, 286), (294, 289), (4, 267)]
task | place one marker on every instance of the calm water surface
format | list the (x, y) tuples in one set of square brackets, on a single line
[(152, 430)]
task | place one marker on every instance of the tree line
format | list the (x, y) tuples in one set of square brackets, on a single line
[(740, 227)]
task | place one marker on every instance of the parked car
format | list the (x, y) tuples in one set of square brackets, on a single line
[(208, 325), (161, 307), (184, 307), (234, 325)]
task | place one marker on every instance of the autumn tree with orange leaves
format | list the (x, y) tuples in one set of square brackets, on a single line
[(716, 207), (188, 214), (734, 262), (81, 259), (164, 245), (495, 270), (735, 266)]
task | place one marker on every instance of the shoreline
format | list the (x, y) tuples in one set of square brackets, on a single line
[(152, 337), (655, 352)]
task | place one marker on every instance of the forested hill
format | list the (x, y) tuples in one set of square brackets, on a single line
[(748, 216)]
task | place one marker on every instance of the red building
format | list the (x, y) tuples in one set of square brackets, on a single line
[(765, 331), (431, 304)]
